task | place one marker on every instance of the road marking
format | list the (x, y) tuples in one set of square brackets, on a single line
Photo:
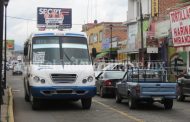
[(120, 112), (16, 90)]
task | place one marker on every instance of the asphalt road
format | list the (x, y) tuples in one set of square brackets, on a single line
[(102, 110)]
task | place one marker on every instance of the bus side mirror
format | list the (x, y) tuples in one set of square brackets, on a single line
[(26, 51)]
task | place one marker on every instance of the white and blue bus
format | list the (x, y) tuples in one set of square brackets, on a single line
[(58, 66)]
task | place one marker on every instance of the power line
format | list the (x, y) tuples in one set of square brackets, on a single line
[(20, 18), (96, 9), (87, 11)]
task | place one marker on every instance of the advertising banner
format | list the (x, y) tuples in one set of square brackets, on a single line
[(180, 26), (52, 18), (106, 44), (10, 44), (162, 29), (154, 9), (132, 35)]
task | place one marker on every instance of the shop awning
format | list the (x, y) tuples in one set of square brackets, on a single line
[(101, 55)]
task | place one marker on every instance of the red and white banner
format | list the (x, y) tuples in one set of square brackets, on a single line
[(180, 26)]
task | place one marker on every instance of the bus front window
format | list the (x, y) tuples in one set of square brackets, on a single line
[(46, 51), (75, 51)]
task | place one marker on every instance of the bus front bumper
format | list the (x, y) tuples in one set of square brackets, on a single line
[(64, 92)]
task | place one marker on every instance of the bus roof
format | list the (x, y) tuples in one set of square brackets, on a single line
[(58, 33)]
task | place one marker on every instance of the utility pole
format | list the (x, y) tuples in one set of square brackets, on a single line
[(141, 20), (5, 44), (1, 48), (111, 41), (142, 40)]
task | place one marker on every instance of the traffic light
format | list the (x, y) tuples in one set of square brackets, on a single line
[(94, 53)]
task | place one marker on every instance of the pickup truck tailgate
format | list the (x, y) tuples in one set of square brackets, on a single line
[(158, 89)]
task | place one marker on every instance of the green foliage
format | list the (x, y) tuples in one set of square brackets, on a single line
[(185, 0)]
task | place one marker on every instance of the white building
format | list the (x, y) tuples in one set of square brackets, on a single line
[(133, 24)]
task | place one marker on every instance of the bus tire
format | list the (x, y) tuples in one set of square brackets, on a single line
[(26, 96), (35, 102)]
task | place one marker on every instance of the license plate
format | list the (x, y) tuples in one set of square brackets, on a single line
[(157, 98)]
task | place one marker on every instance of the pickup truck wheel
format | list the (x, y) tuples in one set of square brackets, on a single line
[(102, 95), (168, 104), (132, 102), (118, 98), (180, 97), (86, 103)]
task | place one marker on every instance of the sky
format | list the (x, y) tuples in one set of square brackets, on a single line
[(83, 11)]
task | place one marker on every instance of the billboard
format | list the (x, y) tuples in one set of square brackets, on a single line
[(10, 44), (53, 18), (180, 26)]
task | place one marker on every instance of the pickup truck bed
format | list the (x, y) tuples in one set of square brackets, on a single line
[(149, 88)]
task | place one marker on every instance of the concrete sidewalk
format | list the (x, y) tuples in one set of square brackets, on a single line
[(7, 107)]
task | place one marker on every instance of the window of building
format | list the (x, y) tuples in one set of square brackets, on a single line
[(138, 9), (91, 39), (100, 36), (95, 38)]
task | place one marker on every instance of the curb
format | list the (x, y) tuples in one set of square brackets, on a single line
[(10, 114)]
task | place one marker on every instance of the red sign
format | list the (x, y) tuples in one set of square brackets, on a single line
[(180, 26)]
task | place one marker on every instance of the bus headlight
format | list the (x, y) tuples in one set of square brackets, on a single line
[(84, 81), (90, 79), (39, 79), (43, 81), (36, 78)]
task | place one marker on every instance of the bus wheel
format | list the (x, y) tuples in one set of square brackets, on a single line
[(35, 102), (26, 97), (86, 103)]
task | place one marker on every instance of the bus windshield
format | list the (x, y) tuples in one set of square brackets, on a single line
[(75, 50), (60, 50)]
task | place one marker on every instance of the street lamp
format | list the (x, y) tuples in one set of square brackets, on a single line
[(5, 42), (110, 54)]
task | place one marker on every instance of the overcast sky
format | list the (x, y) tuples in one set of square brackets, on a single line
[(82, 12)]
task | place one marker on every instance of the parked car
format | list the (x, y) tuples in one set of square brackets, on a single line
[(17, 69), (10, 66), (114, 66), (146, 85), (184, 87), (106, 82)]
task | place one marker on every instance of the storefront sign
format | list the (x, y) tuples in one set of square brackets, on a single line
[(180, 25), (54, 18), (162, 29), (154, 8), (132, 35), (10, 44)]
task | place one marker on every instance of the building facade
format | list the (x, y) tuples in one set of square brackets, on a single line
[(156, 26), (106, 38)]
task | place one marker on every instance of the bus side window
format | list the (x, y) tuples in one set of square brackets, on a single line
[(29, 53), (26, 52)]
